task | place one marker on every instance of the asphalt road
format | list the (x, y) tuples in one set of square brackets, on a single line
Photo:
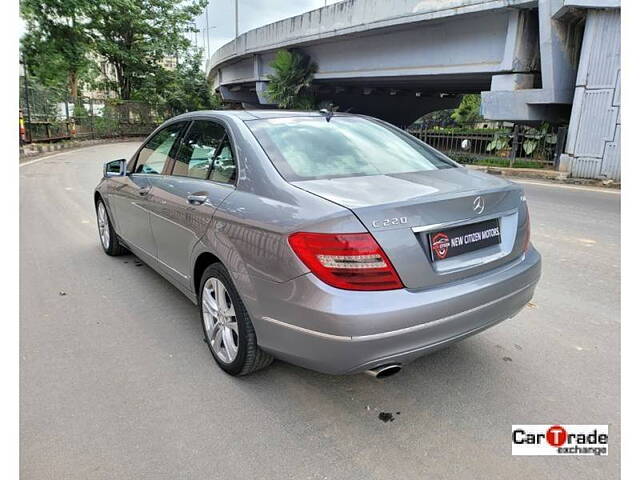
[(116, 382)]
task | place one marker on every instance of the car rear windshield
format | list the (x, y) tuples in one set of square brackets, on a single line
[(309, 148)]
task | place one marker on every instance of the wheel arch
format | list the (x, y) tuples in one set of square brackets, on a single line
[(203, 260), (99, 197)]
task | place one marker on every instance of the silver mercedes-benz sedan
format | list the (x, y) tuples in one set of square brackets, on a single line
[(332, 241)]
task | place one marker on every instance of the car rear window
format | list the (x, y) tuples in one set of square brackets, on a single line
[(309, 148)]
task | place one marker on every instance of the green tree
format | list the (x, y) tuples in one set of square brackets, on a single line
[(195, 91), (79, 110), (181, 90), (56, 44), (289, 85), (469, 109), (135, 35)]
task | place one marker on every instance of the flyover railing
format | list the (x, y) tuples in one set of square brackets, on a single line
[(498, 144)]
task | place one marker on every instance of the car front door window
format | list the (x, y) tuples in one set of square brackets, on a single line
[(154, 155)]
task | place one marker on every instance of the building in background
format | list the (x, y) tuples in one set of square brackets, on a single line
[(169, 62)]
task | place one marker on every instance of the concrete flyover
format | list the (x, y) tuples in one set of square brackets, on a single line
[(400, 59)]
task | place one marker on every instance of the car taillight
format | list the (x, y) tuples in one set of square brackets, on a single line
[(352, 261)]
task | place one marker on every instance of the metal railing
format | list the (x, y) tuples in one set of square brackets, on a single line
[(48, 115), (499, 144)]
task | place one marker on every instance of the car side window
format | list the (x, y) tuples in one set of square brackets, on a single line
[(155, 153), (224, 165), (196, 152)]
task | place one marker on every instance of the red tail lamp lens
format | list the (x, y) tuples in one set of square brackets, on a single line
[(352, 261)]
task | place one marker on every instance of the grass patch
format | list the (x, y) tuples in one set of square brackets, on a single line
[(458, 131), (495, 161)]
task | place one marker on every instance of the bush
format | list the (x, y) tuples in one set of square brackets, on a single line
[(469, 109), (466, 130)]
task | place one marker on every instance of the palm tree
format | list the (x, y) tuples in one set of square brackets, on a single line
[(293, 75)]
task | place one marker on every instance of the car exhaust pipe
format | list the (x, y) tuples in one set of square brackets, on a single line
[(384, 371)]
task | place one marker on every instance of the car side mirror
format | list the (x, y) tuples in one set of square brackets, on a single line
[(115, 168)]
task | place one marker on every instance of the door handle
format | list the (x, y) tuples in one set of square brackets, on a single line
[(143, 191), (195, 199)]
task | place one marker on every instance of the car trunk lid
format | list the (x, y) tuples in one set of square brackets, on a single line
[(402, 210)]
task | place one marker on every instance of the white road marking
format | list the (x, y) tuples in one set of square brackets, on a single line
[(614, 191), (30, 162), (47, 157), (587, 242)]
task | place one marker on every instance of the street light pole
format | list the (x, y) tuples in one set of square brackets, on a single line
[(206, 12), (26, 96), (236, 19), (209, 36), (195, 33)]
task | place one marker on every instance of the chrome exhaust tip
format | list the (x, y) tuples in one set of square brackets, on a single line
[(384, 371)]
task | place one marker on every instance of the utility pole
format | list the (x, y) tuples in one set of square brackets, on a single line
[(236, 20), (208, 29), (26, 96), (206, 12)]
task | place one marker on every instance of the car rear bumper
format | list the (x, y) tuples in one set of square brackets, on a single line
[(311, 324)]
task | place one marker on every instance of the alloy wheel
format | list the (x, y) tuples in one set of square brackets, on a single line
[(220, 322), (103, 225)]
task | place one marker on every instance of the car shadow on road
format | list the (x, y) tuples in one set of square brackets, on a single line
[(452, 378), (426, 389)]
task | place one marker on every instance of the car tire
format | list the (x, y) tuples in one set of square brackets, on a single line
[(108, 237), (227, 327)]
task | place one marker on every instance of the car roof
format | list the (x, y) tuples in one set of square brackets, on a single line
[(255, 114)]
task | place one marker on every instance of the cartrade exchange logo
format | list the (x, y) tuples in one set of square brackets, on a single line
[(560, 440)]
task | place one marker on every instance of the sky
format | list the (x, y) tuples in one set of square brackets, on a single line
[(251, 14)]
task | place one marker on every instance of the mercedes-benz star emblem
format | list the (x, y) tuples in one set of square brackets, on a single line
[(478, 205)]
